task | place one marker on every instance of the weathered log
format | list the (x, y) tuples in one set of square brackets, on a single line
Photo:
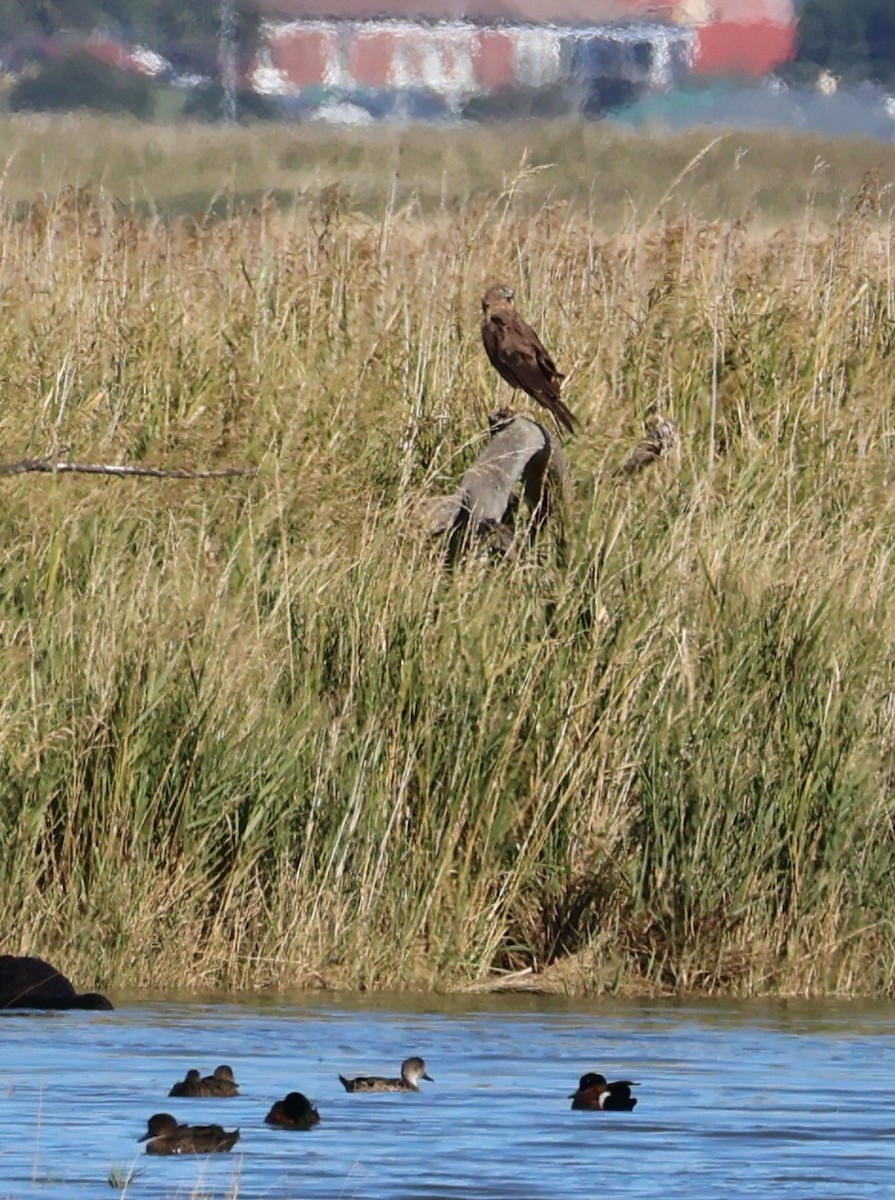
[(522, 455)]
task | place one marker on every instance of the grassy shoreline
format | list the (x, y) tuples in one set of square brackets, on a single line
[(254, 736)]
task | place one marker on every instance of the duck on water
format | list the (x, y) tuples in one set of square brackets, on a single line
[(165, 1136), (412, 1071), (220, 1083), (594, 1094), (294, 1112)]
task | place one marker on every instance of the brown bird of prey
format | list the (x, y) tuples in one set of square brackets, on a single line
[(516, 352)]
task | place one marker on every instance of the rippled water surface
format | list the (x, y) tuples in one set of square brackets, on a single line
[(734, 1101)]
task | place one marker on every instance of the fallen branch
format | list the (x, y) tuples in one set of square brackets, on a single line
[(484, 506), (48, 467), (510, 981)]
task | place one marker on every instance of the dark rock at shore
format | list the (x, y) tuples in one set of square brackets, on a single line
[(27, 982)]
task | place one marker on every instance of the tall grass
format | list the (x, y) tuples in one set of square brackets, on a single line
[(253, 733)]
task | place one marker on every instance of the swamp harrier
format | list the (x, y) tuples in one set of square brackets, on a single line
[(515, 350)]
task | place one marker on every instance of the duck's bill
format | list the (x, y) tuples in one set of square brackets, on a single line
[(426, 1075), (145, 1137)]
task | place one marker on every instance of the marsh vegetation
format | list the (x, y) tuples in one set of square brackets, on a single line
[(254, 734)]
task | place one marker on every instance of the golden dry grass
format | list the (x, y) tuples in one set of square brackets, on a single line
[(254, 734)]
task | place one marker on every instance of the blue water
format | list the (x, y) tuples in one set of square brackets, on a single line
[(737, 1101)]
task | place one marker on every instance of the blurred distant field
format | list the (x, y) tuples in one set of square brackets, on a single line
[(615, 176)]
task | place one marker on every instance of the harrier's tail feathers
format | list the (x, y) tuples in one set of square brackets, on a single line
[(564, 415)]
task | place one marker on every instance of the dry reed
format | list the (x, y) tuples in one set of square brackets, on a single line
[(253, 734)]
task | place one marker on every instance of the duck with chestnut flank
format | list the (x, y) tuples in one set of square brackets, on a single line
[(294, 1112), (595, 1094)]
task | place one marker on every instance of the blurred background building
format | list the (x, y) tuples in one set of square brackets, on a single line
[(425, 57)]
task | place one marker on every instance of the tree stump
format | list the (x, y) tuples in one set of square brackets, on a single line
[(522, 461)]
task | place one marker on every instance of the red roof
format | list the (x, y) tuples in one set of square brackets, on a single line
[(754, 49)]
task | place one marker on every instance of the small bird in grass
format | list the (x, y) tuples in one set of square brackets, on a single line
[(516, 352), (164, 1136), (594, 1093), (412, 1070), (220, 1083), (294, 1112)]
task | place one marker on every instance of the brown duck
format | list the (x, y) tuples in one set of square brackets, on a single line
[(164, 1136), (220, 1083)]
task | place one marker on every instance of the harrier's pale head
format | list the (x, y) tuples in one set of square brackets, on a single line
[(497, 296)]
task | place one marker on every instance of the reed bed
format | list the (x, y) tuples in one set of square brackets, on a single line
[(253, 733)]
